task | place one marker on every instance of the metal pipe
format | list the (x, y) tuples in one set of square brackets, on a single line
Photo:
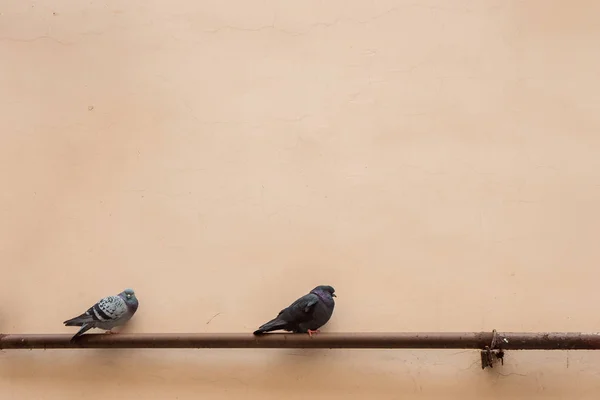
[(403, 340)]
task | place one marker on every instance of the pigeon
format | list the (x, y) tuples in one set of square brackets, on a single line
[(108, 313), (305, 315)]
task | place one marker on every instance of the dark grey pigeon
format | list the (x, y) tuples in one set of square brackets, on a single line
[(305, 315)]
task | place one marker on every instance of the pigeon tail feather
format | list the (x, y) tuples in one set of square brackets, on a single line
[(78, 321), (84, 329), (272, 325)]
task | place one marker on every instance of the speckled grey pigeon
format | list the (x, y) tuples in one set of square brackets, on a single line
[(108, 313), (305, 315)]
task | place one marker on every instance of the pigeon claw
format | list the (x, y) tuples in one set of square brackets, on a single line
[(311, 332)]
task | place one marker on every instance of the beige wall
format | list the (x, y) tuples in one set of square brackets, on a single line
[(436, 161)]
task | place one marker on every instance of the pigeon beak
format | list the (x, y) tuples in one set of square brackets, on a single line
[(333, 295)]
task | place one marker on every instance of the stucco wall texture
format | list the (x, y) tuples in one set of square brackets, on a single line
[(437, 162)]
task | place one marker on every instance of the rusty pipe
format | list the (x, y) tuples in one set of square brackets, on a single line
[(401, 340)]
